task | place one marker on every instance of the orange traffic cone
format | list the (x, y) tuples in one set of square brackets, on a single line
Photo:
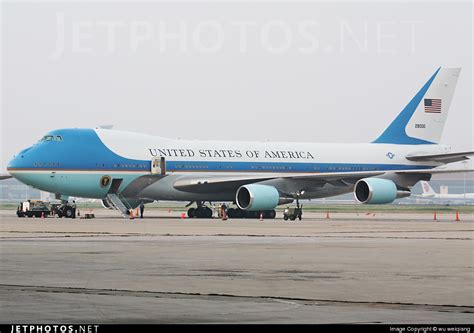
[(182, 215), (42, 215), (261, 216), (131, 214), (434, 218), (327, 214), (457, 216)]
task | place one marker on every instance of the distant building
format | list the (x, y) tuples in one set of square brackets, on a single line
[(11, 190)]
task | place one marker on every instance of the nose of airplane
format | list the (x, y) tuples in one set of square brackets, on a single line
[(19, 161)]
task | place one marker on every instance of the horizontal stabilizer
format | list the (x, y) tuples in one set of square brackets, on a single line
[(441, 158), (5, 176)]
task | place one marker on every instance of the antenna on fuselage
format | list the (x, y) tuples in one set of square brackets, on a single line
[(105, 126)]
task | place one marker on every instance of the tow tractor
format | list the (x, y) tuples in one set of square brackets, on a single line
[(38, 208)]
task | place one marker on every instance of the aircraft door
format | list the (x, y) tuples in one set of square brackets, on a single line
[(158, 166), (114, 187), (155, 166)]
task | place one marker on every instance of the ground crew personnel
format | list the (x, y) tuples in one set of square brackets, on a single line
[(224, 212), (73, 206), (142, 209)]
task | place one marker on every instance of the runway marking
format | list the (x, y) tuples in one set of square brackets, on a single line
[(53, 235), (287, 300)]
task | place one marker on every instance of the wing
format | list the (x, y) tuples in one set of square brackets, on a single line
[(230, 183), (441, 158), (5, 176)]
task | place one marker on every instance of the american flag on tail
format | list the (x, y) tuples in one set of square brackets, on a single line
[(432, 105)]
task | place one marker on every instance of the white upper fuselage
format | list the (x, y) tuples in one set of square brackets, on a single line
[(329, 156)]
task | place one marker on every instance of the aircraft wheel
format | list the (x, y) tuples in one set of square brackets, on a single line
[(207, 212), (239, 213), (68, 212), (269, 214), (191, 212), (198, 212), (231, 213)]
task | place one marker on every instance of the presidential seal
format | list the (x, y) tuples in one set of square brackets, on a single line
[(104, 181)]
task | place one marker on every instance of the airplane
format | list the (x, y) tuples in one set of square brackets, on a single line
[(429, 193), (123, 169)]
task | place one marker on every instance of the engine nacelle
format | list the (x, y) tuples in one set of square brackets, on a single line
[(378, 191), (106, 204), (259, 197)]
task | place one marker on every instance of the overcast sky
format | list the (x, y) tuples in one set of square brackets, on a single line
[(315, 72)]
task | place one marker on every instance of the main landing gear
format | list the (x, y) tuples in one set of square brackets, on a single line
[(200, 212)]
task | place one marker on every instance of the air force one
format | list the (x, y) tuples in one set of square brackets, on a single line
[(124, 169)]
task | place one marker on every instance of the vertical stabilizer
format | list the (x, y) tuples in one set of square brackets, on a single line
[(427, 189), (422, 120)]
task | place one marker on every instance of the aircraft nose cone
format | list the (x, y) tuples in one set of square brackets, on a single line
[(13, 165), (14, 162), (19, 161)]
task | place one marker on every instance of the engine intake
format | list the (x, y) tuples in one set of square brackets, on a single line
[(259, 197), (378, 191)]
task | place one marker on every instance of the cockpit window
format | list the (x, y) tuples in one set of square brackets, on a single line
[(52, 138)]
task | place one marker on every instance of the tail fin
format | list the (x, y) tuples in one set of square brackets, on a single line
[(422, 120), (427, 189)]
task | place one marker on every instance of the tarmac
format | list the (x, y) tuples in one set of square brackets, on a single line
[(348, 268)]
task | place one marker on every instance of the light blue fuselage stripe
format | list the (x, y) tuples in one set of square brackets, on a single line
[(280, 167)]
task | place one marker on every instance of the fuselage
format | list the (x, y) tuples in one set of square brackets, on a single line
[(74, 161)]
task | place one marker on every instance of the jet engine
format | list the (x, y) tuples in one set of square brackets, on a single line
[(259, 197), (378, 191)]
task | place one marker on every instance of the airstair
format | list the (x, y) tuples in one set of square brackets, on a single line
[(118, 204)]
